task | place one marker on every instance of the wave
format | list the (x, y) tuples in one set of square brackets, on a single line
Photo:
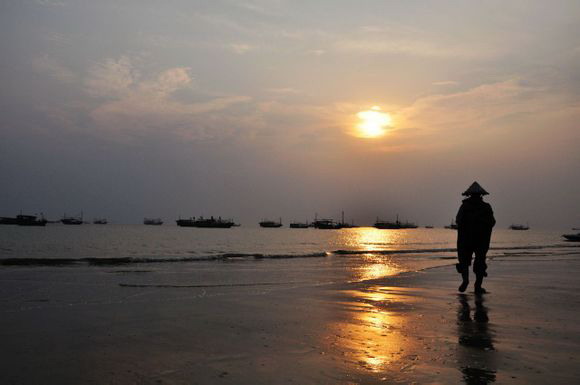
[(225, 257), (112, 261)]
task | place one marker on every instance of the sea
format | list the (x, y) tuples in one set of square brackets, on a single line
[(172, 256)]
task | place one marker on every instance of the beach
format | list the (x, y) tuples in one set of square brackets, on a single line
[(98, 326), (268, 192)]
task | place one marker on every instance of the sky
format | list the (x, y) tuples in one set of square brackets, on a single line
[(250, 109)]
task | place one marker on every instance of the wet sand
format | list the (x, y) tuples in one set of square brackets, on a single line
[(413, 328)]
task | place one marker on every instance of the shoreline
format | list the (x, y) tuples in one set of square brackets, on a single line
[(413, 327)]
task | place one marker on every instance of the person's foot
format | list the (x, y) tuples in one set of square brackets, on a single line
[(463, 286), (479, 290)]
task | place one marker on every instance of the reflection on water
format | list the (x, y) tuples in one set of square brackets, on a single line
[(373, 338), (373, 266), (384, 334), (476, 353), (368, 238)]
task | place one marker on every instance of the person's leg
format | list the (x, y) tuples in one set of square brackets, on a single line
[(464, 256), (480, 270), (465, 281)]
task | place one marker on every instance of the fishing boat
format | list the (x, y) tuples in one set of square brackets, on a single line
[(218, 223), (325, 224), (572, 237), (30, 220), (72, 220), (380, 224), (519, 227), (330, 224), (8, 221), (271, 224), (153, 221)]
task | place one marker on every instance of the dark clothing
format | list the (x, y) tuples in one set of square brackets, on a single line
[(474, 223)]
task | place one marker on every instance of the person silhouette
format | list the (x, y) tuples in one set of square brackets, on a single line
[(474, 224)]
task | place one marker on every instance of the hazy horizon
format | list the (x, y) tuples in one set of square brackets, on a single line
[(252, 109)]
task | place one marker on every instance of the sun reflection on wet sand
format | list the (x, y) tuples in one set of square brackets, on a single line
[(372, 338), (373, 267)]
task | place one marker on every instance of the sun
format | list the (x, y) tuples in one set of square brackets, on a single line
[(373, 123)]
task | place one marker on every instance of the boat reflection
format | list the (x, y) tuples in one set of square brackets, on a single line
[(371, 337)]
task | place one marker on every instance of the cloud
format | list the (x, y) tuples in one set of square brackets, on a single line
[(49, 65), (111, 78), (411, 47), (316, 52), (147, 105), (241, 48), (284, 90), (475, 106), (508, 109), (446, 83), (167, 82)]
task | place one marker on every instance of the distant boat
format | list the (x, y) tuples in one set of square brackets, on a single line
[(572, 237), (72, 220), (452, 225), (100, 221), (519, 227), (428, 227), (30, 220), (325, 224), (8, 221), (206, 223), (153, 221), (24, 220), (380, 224), (271, 224), (330, 224), (575, 228)]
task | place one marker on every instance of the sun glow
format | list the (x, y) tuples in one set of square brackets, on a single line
[(373, 123)]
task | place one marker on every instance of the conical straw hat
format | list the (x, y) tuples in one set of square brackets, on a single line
[(475, 189)]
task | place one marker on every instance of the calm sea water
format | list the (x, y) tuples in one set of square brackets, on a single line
[(239, 256)]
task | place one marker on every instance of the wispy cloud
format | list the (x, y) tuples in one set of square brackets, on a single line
[(504, 107), (284, 90), (446, 83), (137, 104), (111, 78), (412, 47), (51, 66), (241, 48)]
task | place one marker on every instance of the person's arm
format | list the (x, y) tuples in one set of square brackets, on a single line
[(491, 219), (460, 216)]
